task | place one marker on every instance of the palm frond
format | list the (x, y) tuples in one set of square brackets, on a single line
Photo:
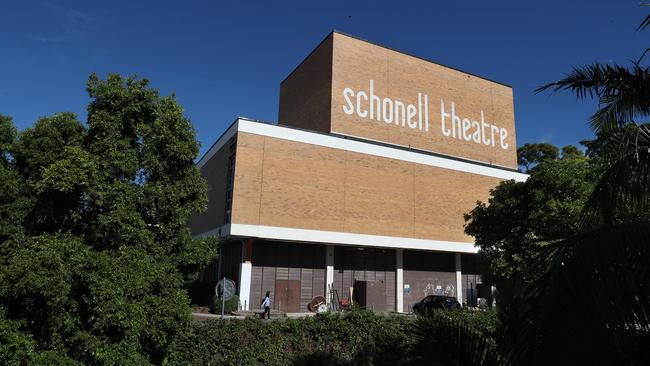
[(441, 340), (623, 191), (623, 93), (645, 23), (592, 305)]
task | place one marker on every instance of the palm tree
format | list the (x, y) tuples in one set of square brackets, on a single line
[(592, 305), (442, 340), (624, 99)]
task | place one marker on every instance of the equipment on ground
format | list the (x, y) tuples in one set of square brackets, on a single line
[(317, 305)]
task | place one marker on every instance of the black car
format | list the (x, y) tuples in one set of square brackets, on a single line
[(435, 302)]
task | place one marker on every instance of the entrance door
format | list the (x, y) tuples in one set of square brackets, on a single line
[(287, 295), (370, 295)]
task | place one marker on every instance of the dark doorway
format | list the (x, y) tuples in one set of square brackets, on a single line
[(370, 295)]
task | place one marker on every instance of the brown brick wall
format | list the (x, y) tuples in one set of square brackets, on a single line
[(305, 95), (290, 184), (215, 171), (401, 77)]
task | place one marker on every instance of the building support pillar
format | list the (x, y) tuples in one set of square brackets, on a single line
[(399, 280), (459, 280), (245, 274), (329, 273)]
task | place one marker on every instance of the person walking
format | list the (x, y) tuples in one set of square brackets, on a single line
[(266, 305)]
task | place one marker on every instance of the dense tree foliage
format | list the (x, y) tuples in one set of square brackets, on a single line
[(520, 217), (530, 155), (95, 252), (590, 303)]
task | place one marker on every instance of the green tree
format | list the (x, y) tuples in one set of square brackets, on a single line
[(571, 151), (623, 95), (531, 154), (601, 272), (97, 260), (15, 201), (520, 217)]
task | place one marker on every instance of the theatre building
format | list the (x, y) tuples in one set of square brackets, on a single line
[(361, 184)]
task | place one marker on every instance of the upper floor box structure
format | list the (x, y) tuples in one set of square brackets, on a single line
[(351, 87)]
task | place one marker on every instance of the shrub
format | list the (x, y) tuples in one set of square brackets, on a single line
[(332, 339), (231, 305), (484, 322)]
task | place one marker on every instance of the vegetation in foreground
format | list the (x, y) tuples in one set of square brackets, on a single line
[(355, 338), (95, 253)]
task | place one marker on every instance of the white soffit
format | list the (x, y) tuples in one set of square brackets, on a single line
[(334, 237)]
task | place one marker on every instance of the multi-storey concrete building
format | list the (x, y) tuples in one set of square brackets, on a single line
[(362, 184)]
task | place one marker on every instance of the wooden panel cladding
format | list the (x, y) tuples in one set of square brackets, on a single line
[(408, 79), (278, 261), (428, 273), (369, 265), (290, 184), (287, 295), (305, 100), (215, 171)]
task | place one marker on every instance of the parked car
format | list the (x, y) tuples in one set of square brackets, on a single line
[(435, 302)]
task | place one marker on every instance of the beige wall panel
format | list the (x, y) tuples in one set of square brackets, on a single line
[(402, 77), (305, 100), (442, 197), (215, 172), (378, 196), (311, 187), (302, 186), (248, 179)]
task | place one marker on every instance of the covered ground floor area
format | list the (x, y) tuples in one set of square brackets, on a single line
[(377, 278)]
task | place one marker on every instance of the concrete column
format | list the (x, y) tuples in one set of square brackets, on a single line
[(459, 280), (329, 272), (399, 280), (245, 274)]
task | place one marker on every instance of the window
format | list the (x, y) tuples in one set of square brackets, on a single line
[(230, 179)]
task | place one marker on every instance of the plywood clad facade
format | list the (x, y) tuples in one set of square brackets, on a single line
[(428, 273), (283, 183), (353, 63), (305, 100), (215, 172), (273, 261), (371, 265)]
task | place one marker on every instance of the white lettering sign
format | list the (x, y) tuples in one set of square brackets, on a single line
[(452, 124)]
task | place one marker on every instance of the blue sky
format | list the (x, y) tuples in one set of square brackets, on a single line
[(225, 59)]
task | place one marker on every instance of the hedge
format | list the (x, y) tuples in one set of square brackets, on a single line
[(358, 337)]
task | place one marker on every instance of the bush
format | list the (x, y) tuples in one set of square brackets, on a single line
[(231, 305), (358, 337), (484, 322)]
